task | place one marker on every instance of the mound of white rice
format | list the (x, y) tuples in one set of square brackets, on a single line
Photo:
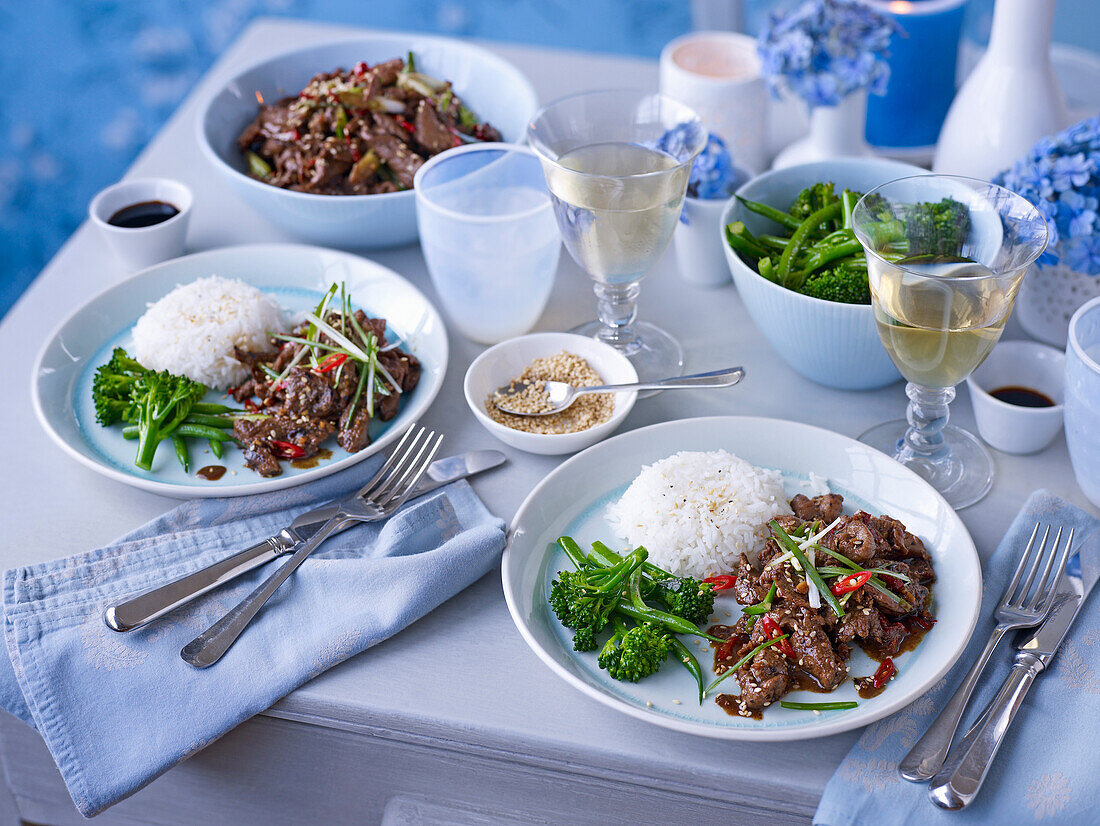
[(192, 330), (696, 513)]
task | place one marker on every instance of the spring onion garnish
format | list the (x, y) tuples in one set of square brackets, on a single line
[(813, 596), (831, 570), (840, 705), (811, 572), (817, 537), (744, 660), (761, 607), (873, 582)]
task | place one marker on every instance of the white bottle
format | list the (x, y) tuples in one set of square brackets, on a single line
[(1011, 99)]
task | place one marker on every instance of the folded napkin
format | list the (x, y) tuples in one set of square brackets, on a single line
[(1046, 769), (117, 710)]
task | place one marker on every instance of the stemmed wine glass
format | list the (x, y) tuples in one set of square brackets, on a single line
[(945, 257), (617, 164)]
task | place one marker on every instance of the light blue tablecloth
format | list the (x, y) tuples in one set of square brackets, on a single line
[(1046, 771), (117, 710)]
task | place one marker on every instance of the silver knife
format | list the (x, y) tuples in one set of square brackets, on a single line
[(964, 771), (142, 609)]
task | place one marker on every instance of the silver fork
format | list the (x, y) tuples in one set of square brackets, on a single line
[(383, 495), (1014, 611)]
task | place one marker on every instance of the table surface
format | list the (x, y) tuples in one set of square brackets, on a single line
[(484, 697)]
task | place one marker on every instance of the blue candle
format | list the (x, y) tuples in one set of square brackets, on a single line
[(922, 73)]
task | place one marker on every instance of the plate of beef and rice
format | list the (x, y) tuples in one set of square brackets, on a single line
[(742, 578), (240, 370)]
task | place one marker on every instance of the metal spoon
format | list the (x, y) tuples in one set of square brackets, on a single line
[(561, 395)]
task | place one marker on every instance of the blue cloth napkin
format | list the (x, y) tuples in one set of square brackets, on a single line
[(117, 710), (1046, 770)]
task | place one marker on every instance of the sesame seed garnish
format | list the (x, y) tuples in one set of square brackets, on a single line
[(587, 411), (649, 704), (676, 701)]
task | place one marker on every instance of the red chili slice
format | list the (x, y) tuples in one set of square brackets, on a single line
[(332, 362), (286, 450), (722, 582), (922, 621), (404, 124), (360, 68), (772, 629), (885, 672), (250, 406), (726, 648), (852, 582)]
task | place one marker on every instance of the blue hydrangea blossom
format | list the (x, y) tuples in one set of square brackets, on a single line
[(824, 50), (1061, 176)]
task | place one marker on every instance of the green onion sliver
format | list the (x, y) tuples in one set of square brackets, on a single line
[(811, 572), (744, 660), (837, 706), (761, 607), (299, 340), (830, 570)]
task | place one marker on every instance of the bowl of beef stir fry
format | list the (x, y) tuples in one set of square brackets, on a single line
[(324, 141)]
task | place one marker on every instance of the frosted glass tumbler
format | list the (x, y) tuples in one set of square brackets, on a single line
[(489, 237), (1083, 398)]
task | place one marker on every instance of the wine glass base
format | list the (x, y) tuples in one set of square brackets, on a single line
[(963, 473), (654, 353)]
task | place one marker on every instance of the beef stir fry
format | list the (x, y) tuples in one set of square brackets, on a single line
[(358, 132), (318, 384), (877, 578)]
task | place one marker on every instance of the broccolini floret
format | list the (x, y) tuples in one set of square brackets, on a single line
[(584, 599), (159, 403), (634, 653), (686, 597), (112, 386), (844, 284), (938, 227)]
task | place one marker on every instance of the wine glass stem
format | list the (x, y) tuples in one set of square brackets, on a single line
[(927, 416), (618, 306)]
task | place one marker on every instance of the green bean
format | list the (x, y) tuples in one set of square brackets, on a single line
[(798, 239), (257, 165), (684, 655), (208, 407), (572, 550), (781, 218), (776, 242), (195, 431), (837, 706), (739, 237), (182, 453), (215, 447), (223, 422), (669, 621)]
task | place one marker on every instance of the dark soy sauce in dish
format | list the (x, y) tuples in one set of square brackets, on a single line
[(144, 214), (1022, 396), (211, 473)]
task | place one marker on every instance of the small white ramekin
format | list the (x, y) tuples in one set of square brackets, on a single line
[(502, 362), (141, 247), (1009, 427)]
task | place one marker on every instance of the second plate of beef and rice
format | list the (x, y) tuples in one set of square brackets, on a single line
[(240, 370), (742, 578)]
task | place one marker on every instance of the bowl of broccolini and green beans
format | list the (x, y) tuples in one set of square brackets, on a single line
[(802, 273)]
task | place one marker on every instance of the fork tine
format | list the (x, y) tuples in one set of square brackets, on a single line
[(415, 468), (1041, 582), (402, 494), (407, 459), (1011, 589), (370, 486), (1022, 599), (1049, 589)]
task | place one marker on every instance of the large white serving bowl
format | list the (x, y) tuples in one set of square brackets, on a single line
[(296, 276), (572, 500), (503, 362), (490, 85), (827, 342)]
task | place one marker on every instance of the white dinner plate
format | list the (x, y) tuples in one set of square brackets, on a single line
[(572, 501), (296, 276)]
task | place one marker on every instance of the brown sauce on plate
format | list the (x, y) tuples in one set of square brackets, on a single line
[(211, 473), (144, 214), (312, 461)]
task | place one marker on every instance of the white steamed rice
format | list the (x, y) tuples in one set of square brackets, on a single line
[(696, 513), (192, 330)]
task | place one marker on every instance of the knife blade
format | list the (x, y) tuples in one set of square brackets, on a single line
[(964, 771), (139, 610)]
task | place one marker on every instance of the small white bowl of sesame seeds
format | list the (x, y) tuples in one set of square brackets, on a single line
[(577, 360)]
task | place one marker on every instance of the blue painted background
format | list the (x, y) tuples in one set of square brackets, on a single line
[(84, 84)]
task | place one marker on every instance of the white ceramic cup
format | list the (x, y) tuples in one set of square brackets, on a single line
[(698, 243), (141, 247), (1010, 427), (718, 75)]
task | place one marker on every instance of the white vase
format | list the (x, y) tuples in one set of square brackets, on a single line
[(835, 132), (1049, 296), (1010, 100)]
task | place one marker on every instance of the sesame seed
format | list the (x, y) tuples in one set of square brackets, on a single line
[(728, 614), (649, 704), (587, 411), (676, 701), (817, 712)]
